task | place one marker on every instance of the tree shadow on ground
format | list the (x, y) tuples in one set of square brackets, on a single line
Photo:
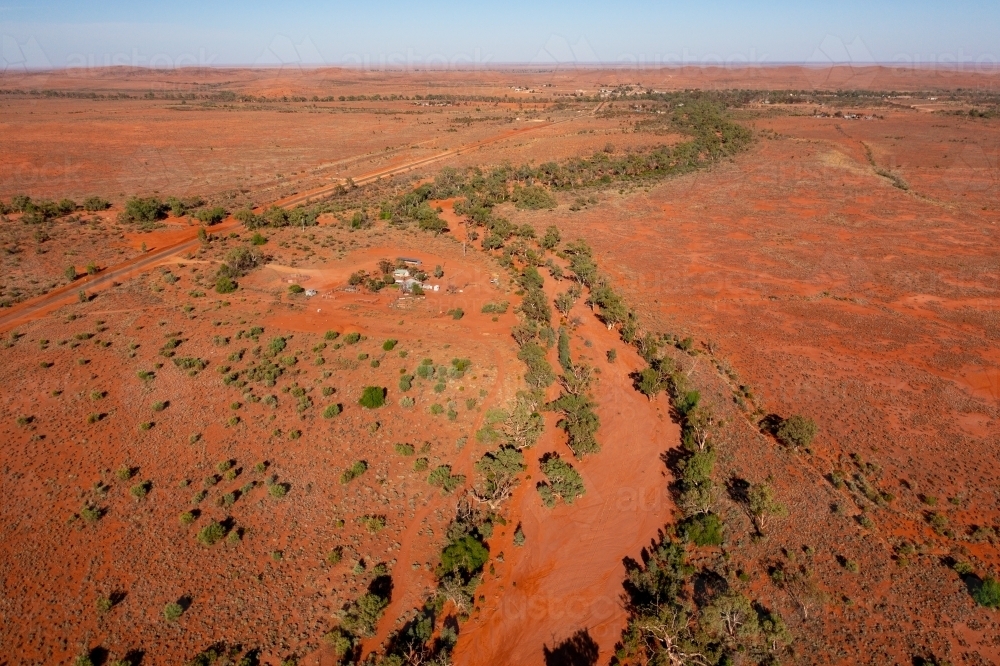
[(577, 650)]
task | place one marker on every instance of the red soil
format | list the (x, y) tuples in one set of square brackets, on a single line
[(568, 576), (818, 284)]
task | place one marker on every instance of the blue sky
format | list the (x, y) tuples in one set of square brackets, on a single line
[(61, 33)]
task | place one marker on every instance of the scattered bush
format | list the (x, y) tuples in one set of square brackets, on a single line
[(405, 383), (362, 616), (211, 534), (95, 204), (143, 211), (211, 216), (140, 490), (495, 307), (354, 471), (225, 285), (173, 611), (388, 345), (796, 431), (372, 397), (374, 524), (442, 478), (988, 593), (331, 411)]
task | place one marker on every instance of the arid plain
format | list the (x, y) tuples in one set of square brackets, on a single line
[(235, 430)]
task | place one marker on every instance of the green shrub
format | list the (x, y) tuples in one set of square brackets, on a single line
[(988, 593), (374, 524), (703, 530), (186, 518), (420, 464), (388, 345), (405, 449), (354, 471), (442, 478), (295, 289), (519, 537), (90, 513), (405, 383), (211, 216), (95, 204), (173, 611), (532, 197), (143, 210), (225, 285), (278, 490), (331, 335), (362, 616), (796, 431), (331, 411), (372, 397), (190, 363), (140, 490), (466, 556), (495, 307), (352, 338), (211, 534)]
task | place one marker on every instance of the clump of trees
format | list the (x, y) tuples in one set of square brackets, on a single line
[(238, 262), (143, 211), (532, 197), (275, 217), (667, 626), (499, 470), (561, 481), (40, 211), (180, 207)]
